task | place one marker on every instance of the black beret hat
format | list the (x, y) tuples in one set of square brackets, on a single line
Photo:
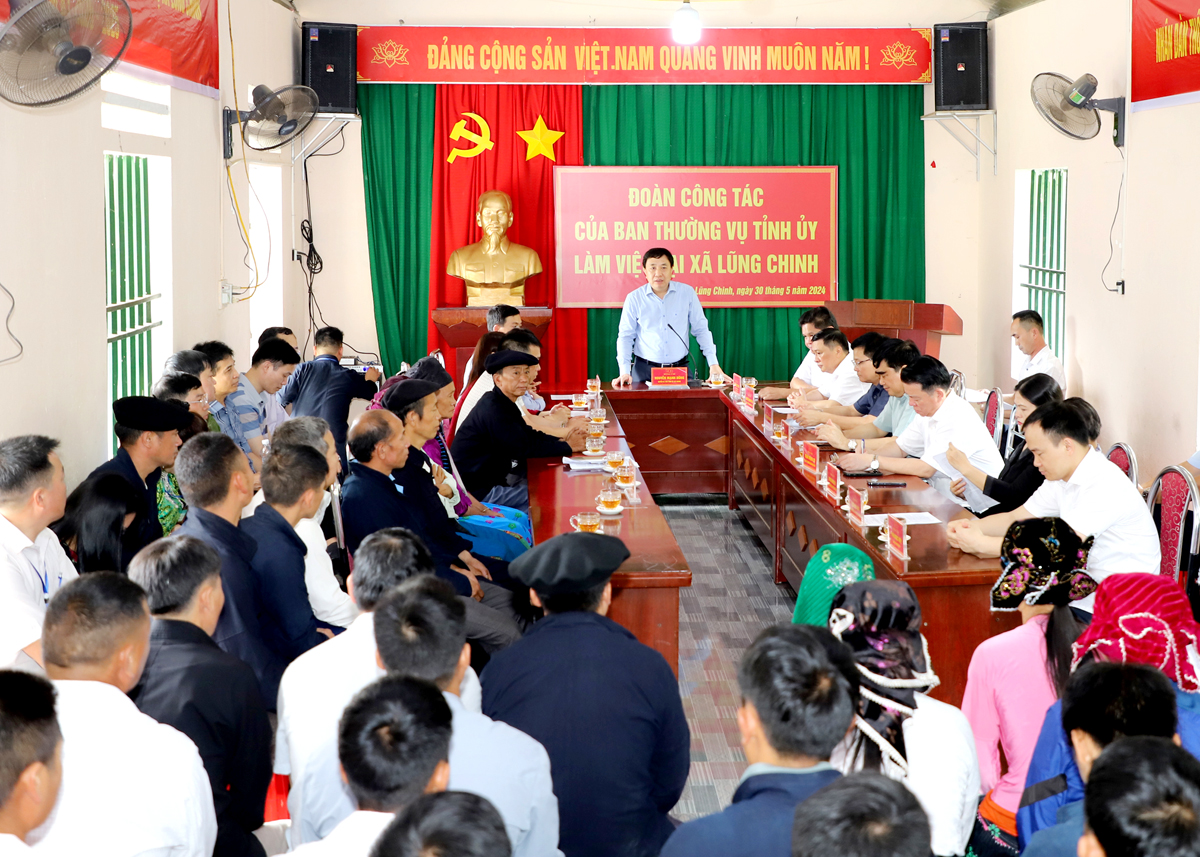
[(406, 392), (508, 357), (572, 562), (146, 413), (429, 369)]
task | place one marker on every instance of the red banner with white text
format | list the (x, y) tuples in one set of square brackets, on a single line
[(1165, 53), (578, 55)]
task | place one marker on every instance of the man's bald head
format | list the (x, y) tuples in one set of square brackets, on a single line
[(370, 430)]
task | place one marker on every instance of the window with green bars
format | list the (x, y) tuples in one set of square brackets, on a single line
[(1041, 269), (130, 293)]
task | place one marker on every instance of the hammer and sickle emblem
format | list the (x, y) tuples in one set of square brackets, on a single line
[(482, 140)]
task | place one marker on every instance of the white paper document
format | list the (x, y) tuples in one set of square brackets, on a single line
[(596, 463), (561, 398), (785, 410), (972, 498), (909, 518)]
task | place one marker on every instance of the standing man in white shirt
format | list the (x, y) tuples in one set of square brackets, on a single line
[(1028, 335), (839, 382), (33, 565), (30, 757), (655, 322), (1083, 488), (808, 374), (943, 418), (130, 785)]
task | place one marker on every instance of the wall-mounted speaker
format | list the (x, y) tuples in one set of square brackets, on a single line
[(329, 59), (960, 66)]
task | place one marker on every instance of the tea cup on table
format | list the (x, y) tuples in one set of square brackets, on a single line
[(579, 400), (586, 522), (593, 385), (609, 499), (594, 444), (597, 415), (779, 431), (595, 430), (626, 474), (615, 458)]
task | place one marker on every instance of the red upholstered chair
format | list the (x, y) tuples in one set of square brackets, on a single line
[(993, 414), (1011, 439), (1176, 491), (1121, 454), (277, 794), (958, 382)]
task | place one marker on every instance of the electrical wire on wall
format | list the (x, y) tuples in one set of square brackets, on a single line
[(1119, 289), (8, 327)]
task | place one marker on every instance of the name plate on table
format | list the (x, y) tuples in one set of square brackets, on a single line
[(669, 376), (897, 541), (833, 483), (737, 383), (856, 503), (809, 456)]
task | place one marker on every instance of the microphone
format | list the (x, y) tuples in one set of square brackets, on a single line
[(687, 352)]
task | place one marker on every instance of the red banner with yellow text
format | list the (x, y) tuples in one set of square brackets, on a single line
[(1165, 53), (741, 236), (578, 55)]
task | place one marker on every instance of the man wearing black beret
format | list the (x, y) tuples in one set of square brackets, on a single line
[(605, 707), (492, 444), (148, 432)]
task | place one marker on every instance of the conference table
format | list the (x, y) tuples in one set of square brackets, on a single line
[(698, 440)]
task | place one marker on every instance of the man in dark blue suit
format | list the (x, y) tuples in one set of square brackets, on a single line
[(323, 387), (605, 707)]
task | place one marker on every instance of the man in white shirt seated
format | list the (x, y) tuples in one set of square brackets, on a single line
[(393, 742), (867, 407), (433, 820), (943, 418), (808, 374), (1028, 335), (891, 356), (130, 785), (840, 382), (1083, 488), (420, 628), (33, 565), (318, 685), (30, 757)]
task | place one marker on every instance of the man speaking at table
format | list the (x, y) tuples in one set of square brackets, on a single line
[(655, 322)]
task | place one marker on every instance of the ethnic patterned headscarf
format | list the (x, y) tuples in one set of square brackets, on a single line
[(831, 567), (881, 622), (1043, 561)]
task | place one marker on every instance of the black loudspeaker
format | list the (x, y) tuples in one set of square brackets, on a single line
[(960, 66), (330, 63)]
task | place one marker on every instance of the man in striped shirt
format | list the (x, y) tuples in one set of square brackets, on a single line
[(270, 367)]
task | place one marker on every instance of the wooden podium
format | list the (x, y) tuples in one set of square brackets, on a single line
[(460, 327), (924, 324)]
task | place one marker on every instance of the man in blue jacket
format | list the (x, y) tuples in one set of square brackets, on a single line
[(799, 691)]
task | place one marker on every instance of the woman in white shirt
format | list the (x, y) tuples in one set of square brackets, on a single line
[(898, 730)]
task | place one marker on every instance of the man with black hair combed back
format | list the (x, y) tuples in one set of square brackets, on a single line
[(393, 742), (30, 756), (861, 815), (1029, 336), (1142, 800), (808, 375), (448, 824), (130, 785), (796, 706), (1083, 488), (270, 367), (207, 694)]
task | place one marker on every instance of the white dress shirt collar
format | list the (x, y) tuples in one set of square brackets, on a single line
[(353, 837)]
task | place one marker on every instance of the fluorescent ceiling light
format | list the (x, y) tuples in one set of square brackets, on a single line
[(685, 26)]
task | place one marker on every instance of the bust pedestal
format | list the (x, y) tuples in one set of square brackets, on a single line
[(459, 329)]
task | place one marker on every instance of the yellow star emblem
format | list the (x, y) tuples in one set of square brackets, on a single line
[(540, 140)]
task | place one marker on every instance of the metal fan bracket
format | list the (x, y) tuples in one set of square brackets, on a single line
[(943, 118)]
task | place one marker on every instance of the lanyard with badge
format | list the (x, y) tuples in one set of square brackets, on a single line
[(44, 579)]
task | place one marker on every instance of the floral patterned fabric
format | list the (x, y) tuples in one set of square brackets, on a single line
[(832, 567), (1042, 562)]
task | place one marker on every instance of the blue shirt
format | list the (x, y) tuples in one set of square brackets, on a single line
[(1062, 839), (231, 425), (249, 408), (656, 329), (324, 388), (873, 401)]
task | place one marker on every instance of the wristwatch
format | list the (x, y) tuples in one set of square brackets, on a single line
[(874, 463)]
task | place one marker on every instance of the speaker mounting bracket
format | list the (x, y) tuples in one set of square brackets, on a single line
[(323, 128), (942, 117)]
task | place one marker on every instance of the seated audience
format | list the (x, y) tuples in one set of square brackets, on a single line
[(1083, 488), (98, 513), (943, 418), (487, 345), (207, 694), (217, 482), (1101, 703), (293, 484), (448, 824), (556, 421), (393, 742), (1015, 676), (276, 415), (184, 388), (796, 706), (808, 374), (30, 757), (832, 567), (1143, 800), (900, 731), (502, 319), (284, 333), (371, 501), (1028, 335), (1020, 477), (840, 382), (148, 432), (323, 387), (225, 383), (616, 734), (192, 362), (172, 508), (130, 785), (868, 406), (420, 629), (1139, 619), (33, 565), (890, 358), (862, 815), (270, 367)]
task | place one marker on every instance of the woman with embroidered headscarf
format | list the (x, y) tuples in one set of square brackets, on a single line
[(1015, 676), (1139, 619), (898, 730), (832, 567)]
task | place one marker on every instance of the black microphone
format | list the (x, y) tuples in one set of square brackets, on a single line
[(687, 352)]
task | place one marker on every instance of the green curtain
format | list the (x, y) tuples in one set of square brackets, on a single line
[(397, 120), (872, 133)]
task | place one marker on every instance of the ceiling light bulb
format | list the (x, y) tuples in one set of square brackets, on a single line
[(685, 26)]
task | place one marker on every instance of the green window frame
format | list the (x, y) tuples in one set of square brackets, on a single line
[(1043, 275)]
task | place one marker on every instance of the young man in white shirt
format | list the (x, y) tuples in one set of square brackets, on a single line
[(394, 744), (1082, 487), (840, 382), (30, 757), (130, 785), (33, 565), (1028, 335), (808, 374), (943, 418)]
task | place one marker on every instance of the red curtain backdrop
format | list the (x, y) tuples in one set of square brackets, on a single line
[(530, 183)]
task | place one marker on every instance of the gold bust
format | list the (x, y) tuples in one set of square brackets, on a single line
[(494, 268)]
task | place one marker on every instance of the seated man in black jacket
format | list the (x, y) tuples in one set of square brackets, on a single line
[(372, 500), (205, 693)]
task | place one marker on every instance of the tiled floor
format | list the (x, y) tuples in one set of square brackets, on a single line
[(731, 599)]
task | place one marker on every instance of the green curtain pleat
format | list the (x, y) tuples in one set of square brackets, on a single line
[(397, 147), (872, 133)]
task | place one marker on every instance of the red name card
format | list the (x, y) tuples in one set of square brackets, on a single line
[(669, 376), (833, 483), (737, 383), (809, 455), (856, 500), (897, 537)]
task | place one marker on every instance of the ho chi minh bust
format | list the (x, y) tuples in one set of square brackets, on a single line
[(494, 268)]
